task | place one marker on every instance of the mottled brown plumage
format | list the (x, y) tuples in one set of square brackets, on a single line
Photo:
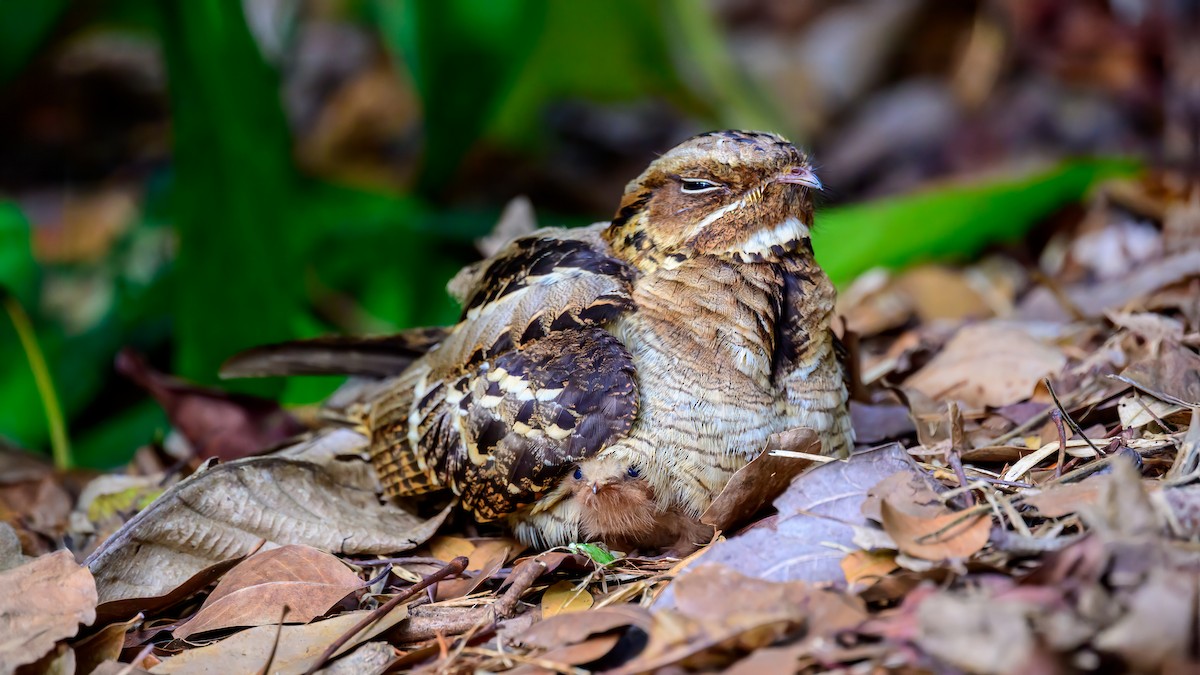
[(675, 339)]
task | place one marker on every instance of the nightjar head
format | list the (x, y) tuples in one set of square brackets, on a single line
[(742, 194)]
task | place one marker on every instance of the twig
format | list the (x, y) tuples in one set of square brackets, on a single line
[(266, 669), (453, 568), (1056, 416), (1066, 416), (519, 581), (953, 453)]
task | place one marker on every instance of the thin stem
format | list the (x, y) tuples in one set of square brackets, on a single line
[(59, 445)]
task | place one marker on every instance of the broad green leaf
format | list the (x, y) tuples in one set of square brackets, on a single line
[(18, 270), (464, 56), (598, 554), (238, 277), (950, 221)]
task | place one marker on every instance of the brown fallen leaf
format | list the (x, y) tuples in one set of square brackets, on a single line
[(296, 649), (762, 480), (818, 517), (937, 537), (215, 423), (1173, 375), (751, 614), (227, 510), (564, 597), (103, 645), (119, 610), (42, 602), (306, 581), (1064, 499), (573, 655), (484, 569), (867, 567), (991, 363), (568, 629), (372, 658)]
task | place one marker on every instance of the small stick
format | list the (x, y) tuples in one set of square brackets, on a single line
[(1074, 426), (953, 456), (266, 669), (1056, 416), (454, 567), (519, 581)]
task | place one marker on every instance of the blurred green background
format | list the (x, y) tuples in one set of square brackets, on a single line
[(191, 178)]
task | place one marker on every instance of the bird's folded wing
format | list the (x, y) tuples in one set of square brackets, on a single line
[(525, 385), (502, 430)]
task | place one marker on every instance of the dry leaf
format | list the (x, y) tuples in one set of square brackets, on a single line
[(372, 658), (103, 645), (1172, 375), (564, 597), (229, 509), (573, 628), (817, 519), (1064, 499), (307, 581), (992, 363), (762, 480), (215, 423), (298, 646), (498, 549), (867, 567), (42, 602), (940, 537)]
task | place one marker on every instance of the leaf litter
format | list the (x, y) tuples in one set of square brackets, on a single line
[(1026, 498)]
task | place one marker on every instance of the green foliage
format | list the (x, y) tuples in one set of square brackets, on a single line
[(950, 221), (239, 279)]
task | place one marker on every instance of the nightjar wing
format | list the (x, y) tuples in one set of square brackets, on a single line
[(503, 430), (525, 385)]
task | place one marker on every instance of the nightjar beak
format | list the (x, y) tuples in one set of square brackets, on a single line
[(800, 175), (595, 488)]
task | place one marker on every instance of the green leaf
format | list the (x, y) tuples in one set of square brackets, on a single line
[(952, 222), (464, 56), (239, 277), (18, 270)]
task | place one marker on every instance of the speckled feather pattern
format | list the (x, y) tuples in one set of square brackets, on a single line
[(674, 339)]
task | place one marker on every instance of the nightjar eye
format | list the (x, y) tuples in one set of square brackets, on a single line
[(633, 472), (694, 186), (578, 473)]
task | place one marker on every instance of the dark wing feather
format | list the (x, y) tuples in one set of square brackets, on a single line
[(377, 356), (501, 433), (525, 385)]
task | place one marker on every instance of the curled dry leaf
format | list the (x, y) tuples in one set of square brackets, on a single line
[(42, 602), (298, 646), (568, 629), (229, 509), (762, 480), (306, 581), (818, 516), (867, 567), (992, 363), (1173, 375), (948, 535)]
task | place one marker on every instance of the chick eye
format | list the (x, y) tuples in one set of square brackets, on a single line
[(694, 186), (633, 472), (578, 473)]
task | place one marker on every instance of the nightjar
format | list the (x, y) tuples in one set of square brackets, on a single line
[(671, 341)]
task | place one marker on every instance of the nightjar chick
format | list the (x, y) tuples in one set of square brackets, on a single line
[(671, 341)]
